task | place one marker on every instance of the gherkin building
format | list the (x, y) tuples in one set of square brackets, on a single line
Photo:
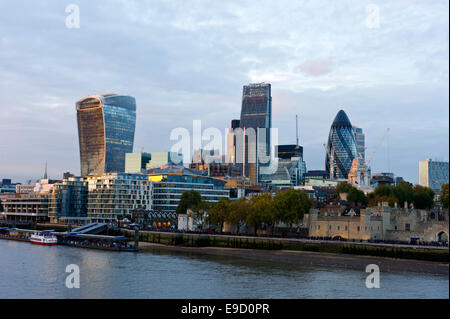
[(341, 147)]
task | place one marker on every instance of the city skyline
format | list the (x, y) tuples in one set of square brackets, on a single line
[(371, 74)]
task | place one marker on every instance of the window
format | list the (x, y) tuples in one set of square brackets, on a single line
[(407, 227), (358, 228)]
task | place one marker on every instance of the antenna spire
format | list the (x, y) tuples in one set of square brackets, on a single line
[(45, 173), (296, 127)]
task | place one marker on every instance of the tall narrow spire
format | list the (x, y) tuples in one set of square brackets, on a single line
[(45, 173), (296, 127)]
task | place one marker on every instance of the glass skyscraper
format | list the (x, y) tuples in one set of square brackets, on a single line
[(106, 125), (433, 174), (341, 147), (256, 113), (360, 142)]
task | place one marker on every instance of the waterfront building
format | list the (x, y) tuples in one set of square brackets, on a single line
[(256, 118), (378, 223), (112, 195), (136, 162), (169, 183), (360, 142), (341, 147), (29, 207), (159, 159), (106, 125), (68, 201), (433, 174)]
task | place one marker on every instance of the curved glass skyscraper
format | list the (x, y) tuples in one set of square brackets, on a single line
[(106, 125), (341, 148)]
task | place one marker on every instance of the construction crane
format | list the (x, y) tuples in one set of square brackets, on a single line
[(378, 145)]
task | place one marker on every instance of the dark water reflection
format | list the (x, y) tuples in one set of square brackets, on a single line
[(29, 271)]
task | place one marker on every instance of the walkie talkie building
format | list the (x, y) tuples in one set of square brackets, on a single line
[(106, 125), (341, 148)]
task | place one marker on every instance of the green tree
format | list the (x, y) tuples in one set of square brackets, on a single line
[(261, 211), (220, 212), (239, 210), (291, 205), (423, 197), (357, 197), (404, 192), (375, 199), (343, 187), (443, 197), (189, 200)]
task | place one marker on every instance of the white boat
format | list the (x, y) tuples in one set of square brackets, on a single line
[(43, 238)]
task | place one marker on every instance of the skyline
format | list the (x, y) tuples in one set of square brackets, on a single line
[(178, 61)]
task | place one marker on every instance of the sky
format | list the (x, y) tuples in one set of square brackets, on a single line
[(385, 63)]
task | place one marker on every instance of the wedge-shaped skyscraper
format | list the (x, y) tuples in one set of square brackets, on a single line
[(106, 125), (341, 148)]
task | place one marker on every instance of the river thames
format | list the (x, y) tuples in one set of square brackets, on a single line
[(29, 271)]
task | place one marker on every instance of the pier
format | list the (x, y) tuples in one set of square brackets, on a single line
[(74, 239)]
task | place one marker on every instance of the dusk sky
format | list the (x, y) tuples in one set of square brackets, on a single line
[(188, 60)]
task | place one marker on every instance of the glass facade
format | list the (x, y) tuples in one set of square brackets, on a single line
[(360, 142), (106, 125), (341, 147), (433, 174), (256, 113), (168, 188)]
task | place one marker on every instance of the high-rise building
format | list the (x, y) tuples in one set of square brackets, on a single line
[(159, 159), (68, 200), (106, 125), (433, 174), (341, 147), (360, 142), (136, 162), (256, 117)]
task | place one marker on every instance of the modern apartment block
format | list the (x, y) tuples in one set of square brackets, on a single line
[(116, 194), (106, 125), (68, 201), (433, 174)]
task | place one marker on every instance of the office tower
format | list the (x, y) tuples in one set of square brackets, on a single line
[(159, 159), (433, 174), (106, 125), (256, 118), (136, 162), (360, 142), (341, 147)]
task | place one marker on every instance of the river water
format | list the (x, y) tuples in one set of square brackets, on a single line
[(30, 271)]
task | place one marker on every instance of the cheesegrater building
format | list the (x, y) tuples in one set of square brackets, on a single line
[(106, 125), (341, 147)]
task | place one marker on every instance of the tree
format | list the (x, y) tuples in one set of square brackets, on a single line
[(357, 197), (404, 192), (239, 210), (291, 205), (220, 212), (375, 199), (261, 211), (443, 197), (343, 187), (423, 197), (189, 200)]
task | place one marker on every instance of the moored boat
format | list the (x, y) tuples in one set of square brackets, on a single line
[(43, 238)]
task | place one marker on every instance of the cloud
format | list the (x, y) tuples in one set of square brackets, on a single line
[(315, 67), (189, 60)]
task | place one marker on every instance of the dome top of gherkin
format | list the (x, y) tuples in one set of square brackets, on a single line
[(341, 119)]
